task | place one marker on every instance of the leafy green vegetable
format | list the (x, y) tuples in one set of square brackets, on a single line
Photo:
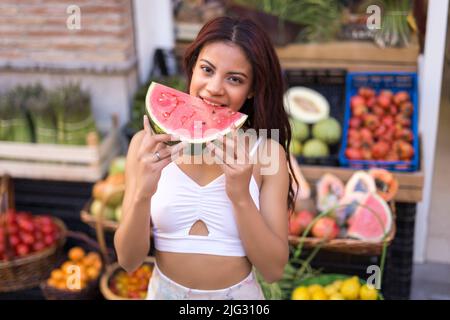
[(321, 19)]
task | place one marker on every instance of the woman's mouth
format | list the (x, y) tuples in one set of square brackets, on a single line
[(212, 103)]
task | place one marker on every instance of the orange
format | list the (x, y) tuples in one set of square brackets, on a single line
[(52, 282), (65, 267), (97, 264), (61, 284), (76, 254), (57, 274), (92, 273)]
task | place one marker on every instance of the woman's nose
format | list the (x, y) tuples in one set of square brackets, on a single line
[(214, 86)]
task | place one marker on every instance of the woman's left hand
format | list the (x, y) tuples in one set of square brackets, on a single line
[(233, 157)]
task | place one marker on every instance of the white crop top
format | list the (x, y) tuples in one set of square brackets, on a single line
[(179, 202)]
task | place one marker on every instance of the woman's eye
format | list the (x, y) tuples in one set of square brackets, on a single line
[(206, 69), (235, 80)]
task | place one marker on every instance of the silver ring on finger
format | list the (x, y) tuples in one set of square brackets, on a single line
[(157, 155)]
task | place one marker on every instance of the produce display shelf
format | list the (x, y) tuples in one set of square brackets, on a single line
[(59, 162), (410, 183)]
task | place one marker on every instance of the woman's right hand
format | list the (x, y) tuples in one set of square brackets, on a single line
[(153, 155)]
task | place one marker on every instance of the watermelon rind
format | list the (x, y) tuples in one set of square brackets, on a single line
[(159, 128)]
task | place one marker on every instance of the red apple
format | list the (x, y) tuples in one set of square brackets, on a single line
[(325, 228)]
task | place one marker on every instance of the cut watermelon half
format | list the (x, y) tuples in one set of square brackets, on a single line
[(190, 118), (370, 224)]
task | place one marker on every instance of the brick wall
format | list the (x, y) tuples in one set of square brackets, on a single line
[(34, 33)]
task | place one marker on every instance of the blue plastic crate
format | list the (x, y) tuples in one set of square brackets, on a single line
[(395, 81)]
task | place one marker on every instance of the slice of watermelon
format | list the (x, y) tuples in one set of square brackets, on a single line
[(194, 121), (370, 224)]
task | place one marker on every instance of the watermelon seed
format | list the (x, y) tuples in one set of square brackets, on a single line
[(166, 114)]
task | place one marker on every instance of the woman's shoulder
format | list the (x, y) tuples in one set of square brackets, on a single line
[(274, 149), (271, 158)]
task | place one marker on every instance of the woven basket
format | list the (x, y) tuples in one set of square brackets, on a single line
[(29, 271), (101, 225), (89, 219), (109, 273), (348, 245), (90, 292)]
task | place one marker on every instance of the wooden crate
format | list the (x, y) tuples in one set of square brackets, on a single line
[(59, 162), (350, 55)]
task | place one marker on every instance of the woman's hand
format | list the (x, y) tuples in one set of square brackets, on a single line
[(233, 156), (153, 156)]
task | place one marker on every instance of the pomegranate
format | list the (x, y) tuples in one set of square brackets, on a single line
[(353, 153), (366, 92), (380, 150), (384, 101), (401, 96), (355, 122), (357, 101), (359, 110)]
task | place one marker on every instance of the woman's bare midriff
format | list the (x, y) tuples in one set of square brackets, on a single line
[(203, 271)]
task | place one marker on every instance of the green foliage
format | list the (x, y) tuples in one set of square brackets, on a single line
[(321, 19), (138, 108)]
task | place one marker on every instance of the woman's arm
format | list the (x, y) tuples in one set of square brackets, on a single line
[(142, 172), (132, 238), (264, 233)]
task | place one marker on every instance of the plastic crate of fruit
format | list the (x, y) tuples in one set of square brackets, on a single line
[(325, 90), (381, 122)]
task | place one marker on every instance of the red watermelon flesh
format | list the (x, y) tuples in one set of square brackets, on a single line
[(194, 121), (370, 225)]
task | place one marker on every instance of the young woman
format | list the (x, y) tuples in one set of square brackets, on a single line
[(213, 223)]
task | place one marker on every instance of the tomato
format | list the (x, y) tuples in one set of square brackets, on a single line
[(22, 250), (14, 240), (49, 240), (27, 238), (26, 225), (38, 246), (13, 229)]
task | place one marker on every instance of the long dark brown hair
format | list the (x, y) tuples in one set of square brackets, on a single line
[(265, 109)]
